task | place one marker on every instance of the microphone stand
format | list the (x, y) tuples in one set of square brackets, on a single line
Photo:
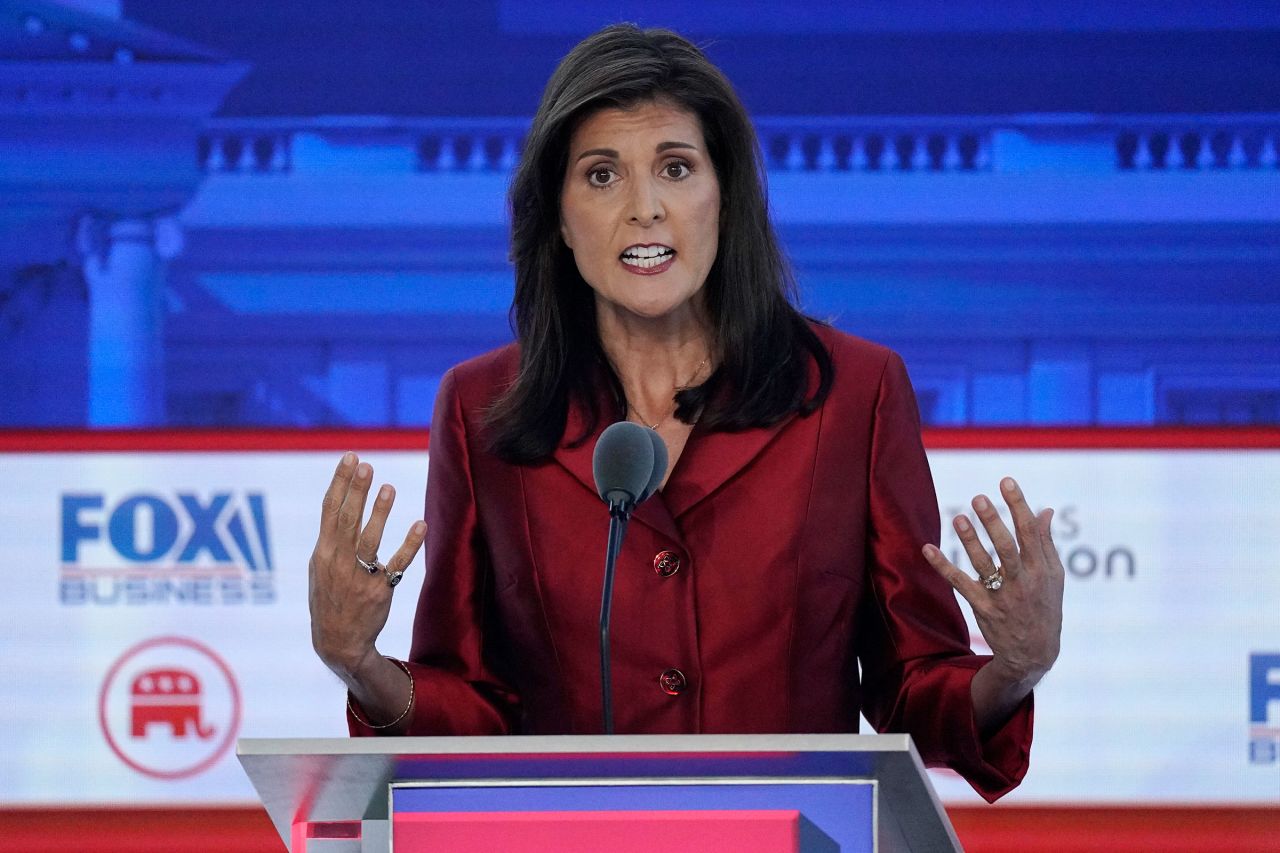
[(628, 464), (619, 515)]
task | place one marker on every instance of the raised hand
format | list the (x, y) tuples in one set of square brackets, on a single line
[(349, 589), (1017, 602)]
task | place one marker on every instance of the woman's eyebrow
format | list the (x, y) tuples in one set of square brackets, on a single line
[(667, 146), (609, 152), (604, 152)]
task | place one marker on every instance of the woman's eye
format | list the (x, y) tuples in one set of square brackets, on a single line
[(676, 170), (600, 177)]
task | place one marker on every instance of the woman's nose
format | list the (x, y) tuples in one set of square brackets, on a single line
[(646, 204)]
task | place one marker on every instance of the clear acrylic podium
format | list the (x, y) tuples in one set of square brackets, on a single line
[(621, 793)]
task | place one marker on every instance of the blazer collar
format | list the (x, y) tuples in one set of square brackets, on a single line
[(709, 460)]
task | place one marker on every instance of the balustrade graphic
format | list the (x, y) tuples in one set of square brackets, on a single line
[(1240, 147), (836, 144)]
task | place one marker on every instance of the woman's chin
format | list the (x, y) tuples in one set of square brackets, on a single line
[(652, 308), (658, 312)]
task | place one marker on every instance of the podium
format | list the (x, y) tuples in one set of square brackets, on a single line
[(620, 793)]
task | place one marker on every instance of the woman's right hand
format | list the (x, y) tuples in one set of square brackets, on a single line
[(349, 605)]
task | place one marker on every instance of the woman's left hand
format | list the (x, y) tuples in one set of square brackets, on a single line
[(1017, 603)]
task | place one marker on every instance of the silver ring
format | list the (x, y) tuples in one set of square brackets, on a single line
[(393, 578), (372, 566), (995, 580)]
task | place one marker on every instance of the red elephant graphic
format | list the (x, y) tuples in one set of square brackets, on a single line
[(168, 696)]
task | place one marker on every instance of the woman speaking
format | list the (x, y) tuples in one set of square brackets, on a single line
[(785, 576)]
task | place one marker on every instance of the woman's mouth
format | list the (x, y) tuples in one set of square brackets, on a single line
[(647, 260)]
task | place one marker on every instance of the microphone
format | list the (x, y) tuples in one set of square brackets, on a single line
[(659, 464), (628, 464)]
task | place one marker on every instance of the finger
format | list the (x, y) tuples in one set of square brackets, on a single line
[(337, 491), (371, 536), (960, 582), (978, 556), (1025, 524), (352, 512), (404, 555), (1054, 562), (1001, 539), (1044, 518)]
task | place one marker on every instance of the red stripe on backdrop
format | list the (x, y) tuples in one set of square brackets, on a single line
[(205, 440), (982, 829), (1079, 829), (286, 440), (194, 829), (1104, 438)]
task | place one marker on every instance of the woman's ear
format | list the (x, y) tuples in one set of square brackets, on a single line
[(564, 235)]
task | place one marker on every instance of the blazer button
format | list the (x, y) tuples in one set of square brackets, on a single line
[(673, 682), (666, 563)]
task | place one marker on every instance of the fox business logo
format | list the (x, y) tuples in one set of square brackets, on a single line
[(1264, 708), (182, 548)]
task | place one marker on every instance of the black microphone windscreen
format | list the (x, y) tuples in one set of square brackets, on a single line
[(659, 465), (622, 462)]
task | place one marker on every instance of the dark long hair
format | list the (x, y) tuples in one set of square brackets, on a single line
[(764, 345)]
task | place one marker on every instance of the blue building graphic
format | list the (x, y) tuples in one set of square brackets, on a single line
[(1058, 217)]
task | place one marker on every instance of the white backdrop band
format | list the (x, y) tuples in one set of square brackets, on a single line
[(158, 610)]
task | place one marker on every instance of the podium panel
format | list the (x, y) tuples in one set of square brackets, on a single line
[(854, 793)]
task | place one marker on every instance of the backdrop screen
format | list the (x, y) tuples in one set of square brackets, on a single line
[(158, 611)]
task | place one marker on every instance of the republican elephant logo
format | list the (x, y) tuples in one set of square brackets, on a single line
[(169, 707), (169, 697)]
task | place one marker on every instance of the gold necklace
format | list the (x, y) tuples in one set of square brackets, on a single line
[(688, 383)]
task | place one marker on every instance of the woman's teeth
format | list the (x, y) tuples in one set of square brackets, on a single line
[(645, 257)]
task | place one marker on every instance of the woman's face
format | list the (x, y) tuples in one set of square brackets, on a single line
[(640, 209)]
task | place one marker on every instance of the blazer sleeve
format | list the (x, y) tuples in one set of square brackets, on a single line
[(916, 662), (456, 692)]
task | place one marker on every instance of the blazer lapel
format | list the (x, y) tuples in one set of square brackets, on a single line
[(577, 459), (710, 459)]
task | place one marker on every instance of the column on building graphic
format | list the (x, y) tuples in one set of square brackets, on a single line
[(99, 122), (124, 265)]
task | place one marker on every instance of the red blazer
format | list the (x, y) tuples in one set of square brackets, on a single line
[(748, 591)]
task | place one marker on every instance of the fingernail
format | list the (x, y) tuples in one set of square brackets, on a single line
[(980, 502), (962, 523), (384, 494), (348, 458), (1008, 484), (365, 471), (419, 528)]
